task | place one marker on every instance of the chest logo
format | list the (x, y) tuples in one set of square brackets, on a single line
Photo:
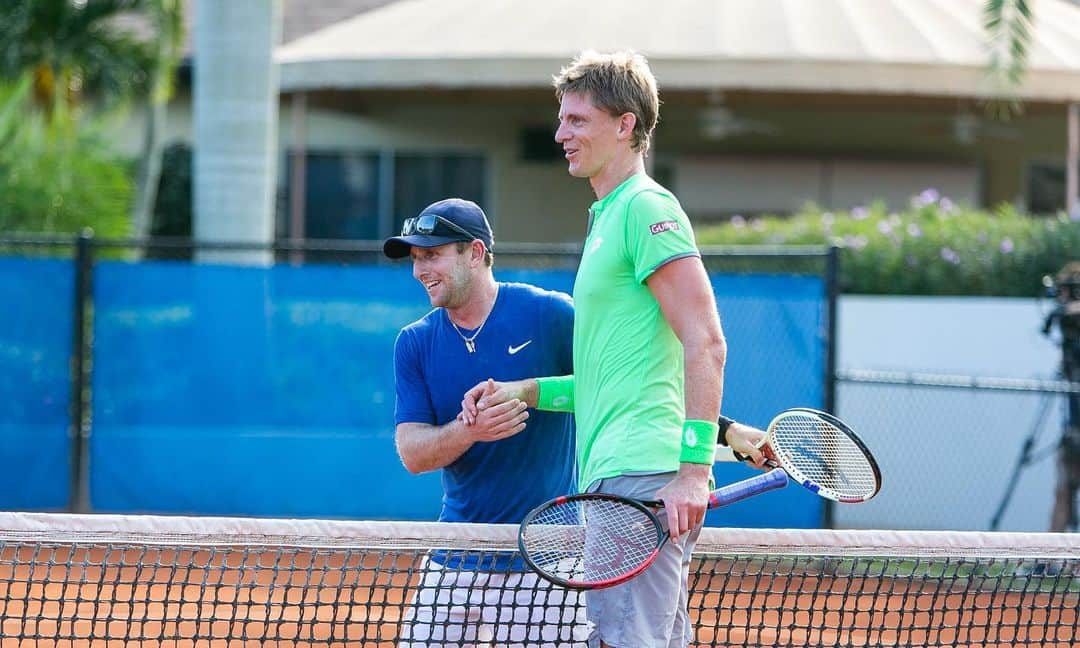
[(663, 226), (514, 349), (595, 244)]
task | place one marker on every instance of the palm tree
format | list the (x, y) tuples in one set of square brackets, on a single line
[(167, 17), (1008, 27), (79, 51), (74, 50)]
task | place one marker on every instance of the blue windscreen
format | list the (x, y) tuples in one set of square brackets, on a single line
[(775, 327), (36, 329), (269, 391), (262, 391)]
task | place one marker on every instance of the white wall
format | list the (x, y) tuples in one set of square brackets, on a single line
[(947, 454), (718, 185)]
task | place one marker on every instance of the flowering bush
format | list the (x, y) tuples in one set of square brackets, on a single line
[(934, 247)]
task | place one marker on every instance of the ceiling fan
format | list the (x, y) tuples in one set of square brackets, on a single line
[(718, 121), (966, 128)]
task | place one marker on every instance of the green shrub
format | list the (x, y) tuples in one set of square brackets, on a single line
[(57, 174), (934, 247)]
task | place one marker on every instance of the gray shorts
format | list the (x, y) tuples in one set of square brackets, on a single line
[(648, 611)]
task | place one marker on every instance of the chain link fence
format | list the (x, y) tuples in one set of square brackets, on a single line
[(177, 376), (959, 452)]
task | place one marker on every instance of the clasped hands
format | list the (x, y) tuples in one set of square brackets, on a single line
[(493, 410)]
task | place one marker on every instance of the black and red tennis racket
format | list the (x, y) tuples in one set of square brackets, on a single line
[(598, 540)]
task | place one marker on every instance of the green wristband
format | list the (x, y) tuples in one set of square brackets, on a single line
[(555, 394), (698, 442)]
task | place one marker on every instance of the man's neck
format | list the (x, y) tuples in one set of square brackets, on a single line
[(616, 172), (475, 311)]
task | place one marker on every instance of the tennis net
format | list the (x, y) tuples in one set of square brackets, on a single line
[(107, 580)]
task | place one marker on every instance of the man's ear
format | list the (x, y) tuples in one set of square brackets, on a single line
[(627, 122), (477, 251)]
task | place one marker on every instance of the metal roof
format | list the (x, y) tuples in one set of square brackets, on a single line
[(893, 47)]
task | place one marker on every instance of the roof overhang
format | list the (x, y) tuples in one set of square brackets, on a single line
[(765, 76), (933, 48)]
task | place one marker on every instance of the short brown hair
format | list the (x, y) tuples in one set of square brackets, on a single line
[(489, 256), (619, 82)]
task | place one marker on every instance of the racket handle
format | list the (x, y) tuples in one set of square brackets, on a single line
[(740, 490)]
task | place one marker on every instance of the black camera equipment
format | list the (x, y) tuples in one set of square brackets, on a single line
[(1064, 290)]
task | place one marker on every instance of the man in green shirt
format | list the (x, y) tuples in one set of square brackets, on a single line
[(649, 351)]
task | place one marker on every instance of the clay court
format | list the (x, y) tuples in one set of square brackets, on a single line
[(149, 596)]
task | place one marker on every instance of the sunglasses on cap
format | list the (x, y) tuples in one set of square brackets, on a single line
[(427, 224)]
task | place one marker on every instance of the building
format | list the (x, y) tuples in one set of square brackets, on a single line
[(767, 105)]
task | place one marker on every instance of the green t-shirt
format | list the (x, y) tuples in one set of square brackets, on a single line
[(628, 362)]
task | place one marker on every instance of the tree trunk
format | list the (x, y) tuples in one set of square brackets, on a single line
[(146, 183)]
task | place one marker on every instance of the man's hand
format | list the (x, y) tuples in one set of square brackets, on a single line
[(686, 498), (743, 439), (490, 393), (497, 421)]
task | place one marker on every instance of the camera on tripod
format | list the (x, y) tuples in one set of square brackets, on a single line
[(1064, 289)]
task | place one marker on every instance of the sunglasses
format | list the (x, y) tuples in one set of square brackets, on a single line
[(428, 223)]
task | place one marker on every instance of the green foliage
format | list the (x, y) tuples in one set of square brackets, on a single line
[(75, 49), (57, 173), (1008, 28), (934, 247)]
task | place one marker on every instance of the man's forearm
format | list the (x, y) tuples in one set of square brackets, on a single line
[(704, 383), (424, 448), (704, 380)]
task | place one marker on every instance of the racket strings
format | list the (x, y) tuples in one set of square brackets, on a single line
[(814, 450), (590, 540)]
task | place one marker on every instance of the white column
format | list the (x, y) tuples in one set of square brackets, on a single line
[(236, 113)]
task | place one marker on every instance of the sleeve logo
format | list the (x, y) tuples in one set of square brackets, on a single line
[(663, 226)]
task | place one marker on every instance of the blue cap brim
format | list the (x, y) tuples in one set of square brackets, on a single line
[(398, 247)]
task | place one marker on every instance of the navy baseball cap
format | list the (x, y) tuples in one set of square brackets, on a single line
[(446, 221)]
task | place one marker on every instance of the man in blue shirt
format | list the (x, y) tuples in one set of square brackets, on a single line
[(506, 461)]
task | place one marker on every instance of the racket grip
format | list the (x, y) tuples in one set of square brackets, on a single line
[(740, 490)]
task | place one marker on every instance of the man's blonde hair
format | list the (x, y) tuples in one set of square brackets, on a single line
[(619, 82)]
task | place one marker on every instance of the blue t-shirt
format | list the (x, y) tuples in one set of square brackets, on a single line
[(529, 333)]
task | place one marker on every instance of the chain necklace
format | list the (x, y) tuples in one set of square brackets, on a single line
[(470, 342)]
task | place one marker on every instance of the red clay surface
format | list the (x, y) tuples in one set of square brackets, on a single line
[(246, 597)]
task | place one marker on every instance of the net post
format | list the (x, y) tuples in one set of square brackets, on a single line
[(832, 294), (79, 495)]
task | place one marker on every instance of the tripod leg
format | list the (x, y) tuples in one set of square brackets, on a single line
[(1021, 462), (1064, 515)]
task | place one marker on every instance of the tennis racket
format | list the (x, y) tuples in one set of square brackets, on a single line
[(597, 540), (820, 452)]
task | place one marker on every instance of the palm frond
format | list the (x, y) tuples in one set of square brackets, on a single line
[(1008, 25)]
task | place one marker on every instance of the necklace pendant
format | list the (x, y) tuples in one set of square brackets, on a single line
[(470, 346)]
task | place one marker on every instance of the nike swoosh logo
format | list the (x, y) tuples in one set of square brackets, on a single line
[(514, 349)]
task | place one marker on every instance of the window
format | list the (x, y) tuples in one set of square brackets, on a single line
[(420, 180), (343, 190), (340, 196), (1045, 187)]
